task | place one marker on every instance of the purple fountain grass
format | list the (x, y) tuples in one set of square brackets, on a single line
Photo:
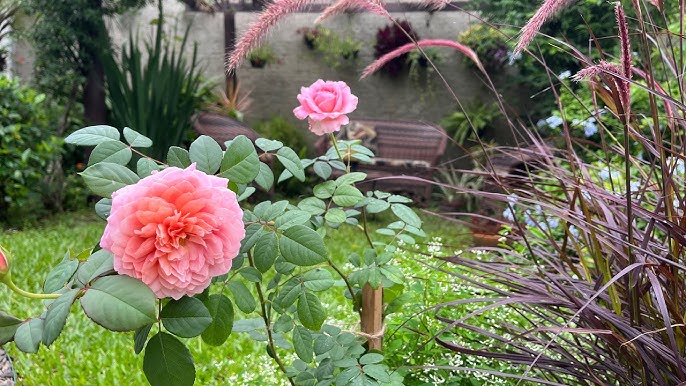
[(602, 68), (545, 12), (377, 64), (340, 6), (259, 28)]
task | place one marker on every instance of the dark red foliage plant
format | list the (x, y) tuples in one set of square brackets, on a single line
[(389, 38)]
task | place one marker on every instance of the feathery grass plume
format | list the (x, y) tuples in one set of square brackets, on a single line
[(599, 69), (548, 9), (373, 6), (625, 45), (259, 28), (377, 64)]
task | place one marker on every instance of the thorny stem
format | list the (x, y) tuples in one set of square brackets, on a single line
[(267, 324)]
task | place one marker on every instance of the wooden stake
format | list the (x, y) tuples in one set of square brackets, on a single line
[(372, 315)]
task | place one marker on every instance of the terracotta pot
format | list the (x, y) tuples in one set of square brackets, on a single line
[(486, 239)]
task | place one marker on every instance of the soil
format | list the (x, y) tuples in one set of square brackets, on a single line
[(6, 372)]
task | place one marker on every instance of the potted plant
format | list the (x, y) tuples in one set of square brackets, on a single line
[(261, 56), (310, 36), (391, 37), (333, 46), (477, 116)]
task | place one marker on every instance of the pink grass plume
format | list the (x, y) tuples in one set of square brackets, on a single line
[(545, 12), (625, 46), (597, 70), (340, 6), (377, 64), (259, 28)]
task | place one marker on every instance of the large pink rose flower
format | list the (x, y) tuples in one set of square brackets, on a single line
[(174, 230), (325, 104)]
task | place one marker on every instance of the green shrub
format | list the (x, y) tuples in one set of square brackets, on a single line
[(26, 149)]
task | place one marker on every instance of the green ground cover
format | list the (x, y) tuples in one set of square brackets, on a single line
[(94, 355)]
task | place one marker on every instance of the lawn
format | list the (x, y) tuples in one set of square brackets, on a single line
[(87, 354)]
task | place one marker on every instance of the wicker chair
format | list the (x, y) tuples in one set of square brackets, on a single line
[(221, 128), (407, 153)]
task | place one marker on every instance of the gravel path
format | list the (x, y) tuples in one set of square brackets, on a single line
[(6, 378)]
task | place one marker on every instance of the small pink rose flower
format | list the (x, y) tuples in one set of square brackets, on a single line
[(325, 105), (174, 230), (4, 262)]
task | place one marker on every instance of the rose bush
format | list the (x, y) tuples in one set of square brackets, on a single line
[(176, 226), (325, 104), (174, 230)]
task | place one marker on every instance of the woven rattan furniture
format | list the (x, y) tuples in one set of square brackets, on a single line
[(407, 153)]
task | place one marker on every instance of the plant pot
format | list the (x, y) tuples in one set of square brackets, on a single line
[(309, 41), (258, 63), (486, 239), (7, 375), (348, 55)]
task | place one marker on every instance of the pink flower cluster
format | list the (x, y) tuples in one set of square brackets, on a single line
[(174, 230), (325, 104)]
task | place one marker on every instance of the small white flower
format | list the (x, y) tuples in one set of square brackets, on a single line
[(565, 74), (554, 121)]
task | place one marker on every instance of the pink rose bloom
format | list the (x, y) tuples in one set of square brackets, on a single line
[(174, 230), (325, 104)]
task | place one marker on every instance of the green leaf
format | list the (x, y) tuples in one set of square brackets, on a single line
[(253, 232), (28, 336), (136, 139), (240, 163), (350, 178), (324, 190), (265, 252), (8, 326), (385, 232), (242, 296), (104, 178), (377, 206), (347, 195), (378, 372), (265, 178), (140, 336), (110, 151), (268, 144), (275, 210), (318, 280), (56, 316), (119, 303), (406, 214), (313, 206), (178, 157), (206, 153), (335, 215), (322, 169), (247, 192), (145, 167), (187, 317), (60, 275), (302, 343), (168, 362), (302, 246), (92, 135), (292, 218), (251, 274), (310, 311), (97, 264), (289, 293), (290, 160), (371, 358), (346, 376), (103, 208), (407, 239), (221, 311)]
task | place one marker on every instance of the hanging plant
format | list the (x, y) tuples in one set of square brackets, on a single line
[(391, 37), (261, 56)]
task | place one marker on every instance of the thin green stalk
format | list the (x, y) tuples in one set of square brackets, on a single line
[(267, 324), (10, 284)]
